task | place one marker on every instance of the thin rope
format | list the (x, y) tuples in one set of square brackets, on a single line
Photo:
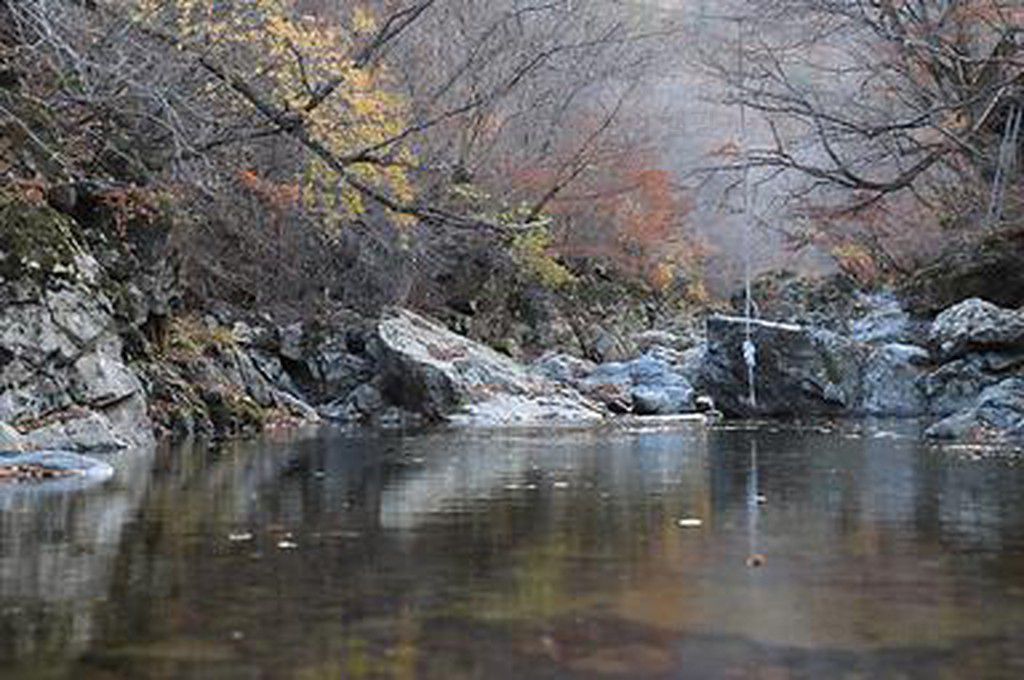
[(1004, 166), (749, 349)]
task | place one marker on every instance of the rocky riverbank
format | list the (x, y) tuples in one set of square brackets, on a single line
[(94, 356)]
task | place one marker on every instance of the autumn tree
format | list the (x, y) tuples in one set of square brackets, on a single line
[(892, 115), (324, 136)]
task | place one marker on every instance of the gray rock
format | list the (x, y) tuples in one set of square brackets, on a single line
[(649, 339), (100, 378), (290, 341), (976, 325), (61, 369), (563, 367), (654, 386), (997, 414), (603, 345), (90, 433), (957, 426), (891, 384), (367, 399), (296, 407), (427, 369), (663, 400), (886, 322), (337, 372), (956, 385), (10, 439), (799, 370)]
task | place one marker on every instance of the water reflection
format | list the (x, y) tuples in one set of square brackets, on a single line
[(58, 545), (531, 554)]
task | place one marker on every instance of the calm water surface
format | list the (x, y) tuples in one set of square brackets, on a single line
[(513, 555)]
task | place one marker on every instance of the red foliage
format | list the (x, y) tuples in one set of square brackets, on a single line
[(625, 208)]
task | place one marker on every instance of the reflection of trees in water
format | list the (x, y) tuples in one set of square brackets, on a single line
[(409, 547), (57, 552)]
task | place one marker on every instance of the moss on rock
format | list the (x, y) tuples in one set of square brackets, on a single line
[(35, 241)]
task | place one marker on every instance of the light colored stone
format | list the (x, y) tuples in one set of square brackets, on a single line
[(427, 369), (10, 439)]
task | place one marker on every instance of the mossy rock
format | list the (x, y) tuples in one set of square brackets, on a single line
[(35, 241)]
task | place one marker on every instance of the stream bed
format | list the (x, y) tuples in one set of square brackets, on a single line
[(741, 551)]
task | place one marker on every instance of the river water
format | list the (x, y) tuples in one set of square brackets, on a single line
[(822, 552)]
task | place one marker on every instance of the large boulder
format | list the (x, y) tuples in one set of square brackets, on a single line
[(955, 385), (976, 325), (998, 413), (427, 369), (798, 371)]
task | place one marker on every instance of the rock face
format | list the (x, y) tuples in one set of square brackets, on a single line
[(798, 370), (884, 321), (977, 390), (810, 371), (63, 380), (892, 381), (427, 369)]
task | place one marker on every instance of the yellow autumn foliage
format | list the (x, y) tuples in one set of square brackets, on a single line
[(307, 66)]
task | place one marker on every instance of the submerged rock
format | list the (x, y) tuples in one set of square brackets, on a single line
[(427, 369)]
